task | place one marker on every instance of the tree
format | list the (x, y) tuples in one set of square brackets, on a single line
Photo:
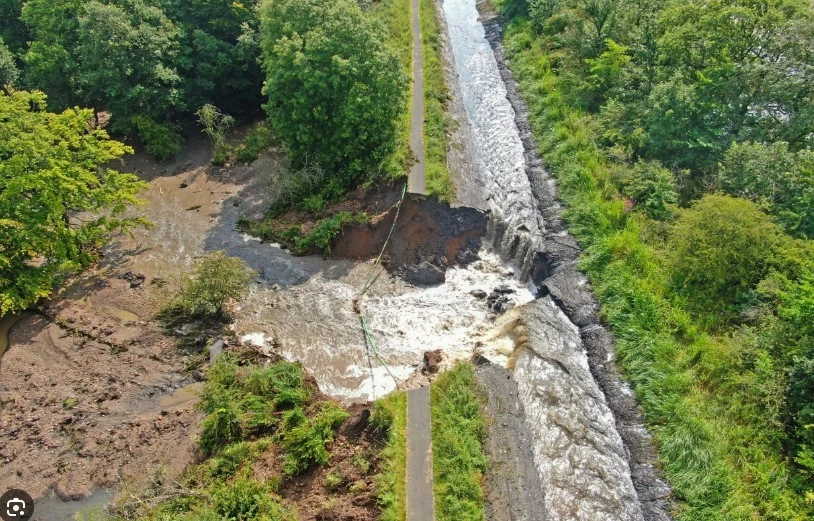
[(219, 60), (721, 248), (335, 90), (216, 124), (8, 69), (774, 177), (126, 54), (57, 201), (50, 61)]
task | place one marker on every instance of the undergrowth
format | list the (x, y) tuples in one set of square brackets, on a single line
[(459, 460), (718, 443)]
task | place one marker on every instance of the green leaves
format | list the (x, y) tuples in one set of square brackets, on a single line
[(57, 202), (335, 90)]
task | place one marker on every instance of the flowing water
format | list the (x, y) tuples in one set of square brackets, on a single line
[(580, 457)]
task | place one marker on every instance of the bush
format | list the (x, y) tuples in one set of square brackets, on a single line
[(305, 441), (215, 280), (161, 140), (720, 249), (650, 186), (247, 500), (220, 427), (216, 124), (257, 140)]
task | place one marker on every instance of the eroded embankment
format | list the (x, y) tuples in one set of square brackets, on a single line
[(555, 273), (428, 238)]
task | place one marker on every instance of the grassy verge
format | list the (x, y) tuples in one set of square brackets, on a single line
[(718, 447), (459, 460), (436, 95), (394, 15), (390, 416)]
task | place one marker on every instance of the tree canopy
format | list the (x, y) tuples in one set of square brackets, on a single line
[(57, 201), (335, 89)]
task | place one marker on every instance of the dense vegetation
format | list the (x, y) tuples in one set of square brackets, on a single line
[(680, 133), (249, 411), (459, 460), (148, 62), (57, 201), (335, 89)]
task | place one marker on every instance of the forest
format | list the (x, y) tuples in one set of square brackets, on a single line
[(681, 136)]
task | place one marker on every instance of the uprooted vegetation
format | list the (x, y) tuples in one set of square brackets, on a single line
[(273, 448)]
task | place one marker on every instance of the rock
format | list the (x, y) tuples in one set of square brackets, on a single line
[(432, 361), (215, 351), (135, 279), (183, 185), (424, 274), (478, 294), (356, 424), (572, 293), (198, 376), (503, 289)]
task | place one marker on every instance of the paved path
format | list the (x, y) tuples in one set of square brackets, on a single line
[(420, 502), (417, 183)]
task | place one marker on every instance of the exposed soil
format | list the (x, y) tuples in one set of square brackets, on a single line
[(426, 231), (81, 389), (353, 459)]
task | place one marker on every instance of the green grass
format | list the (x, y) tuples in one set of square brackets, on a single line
[(718, 443), (459, 460), (390, 419), (436, 94), (394, 15)]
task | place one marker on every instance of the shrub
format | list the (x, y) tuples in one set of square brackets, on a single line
[(650, 186), (161, 140), (257, 140), (305, 441), (215, 280), (216, 124), (721, 248), (247, 500), (219, 428)]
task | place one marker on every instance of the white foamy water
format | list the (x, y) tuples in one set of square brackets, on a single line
[(315, 322)]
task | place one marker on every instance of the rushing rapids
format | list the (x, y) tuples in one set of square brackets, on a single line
[(593, 457)]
